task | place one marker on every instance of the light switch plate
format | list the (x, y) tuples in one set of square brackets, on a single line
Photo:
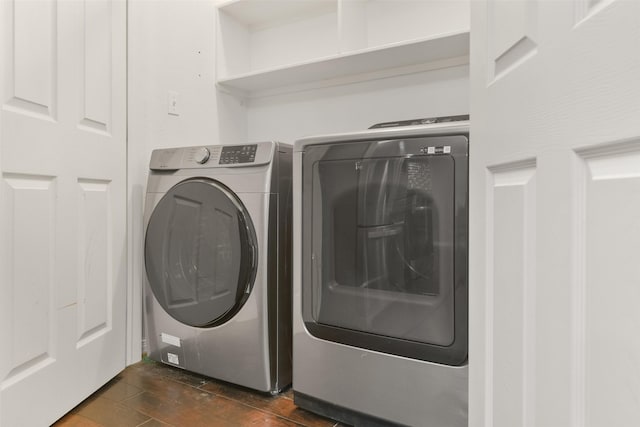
[(172, 103)]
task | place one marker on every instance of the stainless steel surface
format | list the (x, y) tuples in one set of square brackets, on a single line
[(398, 389), (461, 127), (253, 348)]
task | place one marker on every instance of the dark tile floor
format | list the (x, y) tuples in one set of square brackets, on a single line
[(151, 394)]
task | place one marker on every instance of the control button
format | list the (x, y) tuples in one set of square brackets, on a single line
[(201, 155)]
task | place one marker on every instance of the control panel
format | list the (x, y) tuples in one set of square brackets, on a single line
[(201, 155), (212, 156), (232, 154)]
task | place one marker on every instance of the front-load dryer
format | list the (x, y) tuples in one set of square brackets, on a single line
[(380, 275), (217, 248)]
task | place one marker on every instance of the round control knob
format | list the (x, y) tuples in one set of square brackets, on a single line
[(201, 155)]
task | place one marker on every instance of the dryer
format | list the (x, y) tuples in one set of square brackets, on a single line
[(217, 247), (380, 275)]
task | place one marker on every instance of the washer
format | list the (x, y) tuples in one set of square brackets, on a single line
[(380, 275), (217, 249)]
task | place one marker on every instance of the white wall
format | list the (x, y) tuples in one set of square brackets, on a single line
[(172, 48), (357, 106)]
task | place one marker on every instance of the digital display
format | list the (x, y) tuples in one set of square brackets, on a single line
[(238, 154)]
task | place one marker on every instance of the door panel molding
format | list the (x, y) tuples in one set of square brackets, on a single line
[(512, 35), (30, 28), (95, 280), (28, 206), (97, 65), (605, 299), (510, 293), (587, 9)]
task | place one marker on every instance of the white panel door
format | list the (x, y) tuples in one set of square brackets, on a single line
[(62, 204), (555, 213)]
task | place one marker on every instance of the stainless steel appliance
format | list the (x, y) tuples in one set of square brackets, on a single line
[(217, 250), (380, 275)]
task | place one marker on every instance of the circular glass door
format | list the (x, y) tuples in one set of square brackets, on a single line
[(200, 253)]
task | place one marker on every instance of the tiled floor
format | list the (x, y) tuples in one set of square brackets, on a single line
[(151, 394)]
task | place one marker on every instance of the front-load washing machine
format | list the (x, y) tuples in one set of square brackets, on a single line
[(217, 257), (380, 275)]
